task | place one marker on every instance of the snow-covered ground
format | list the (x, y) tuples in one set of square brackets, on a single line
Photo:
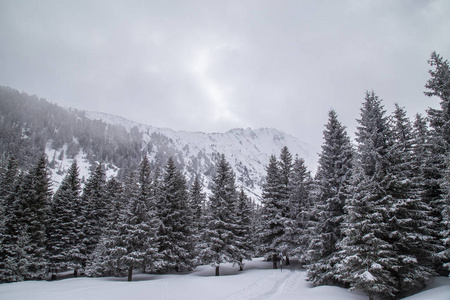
[(257, 281)]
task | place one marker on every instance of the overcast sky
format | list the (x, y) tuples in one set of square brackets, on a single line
[(215, 65)]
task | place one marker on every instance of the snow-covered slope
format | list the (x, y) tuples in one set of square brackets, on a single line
[(29, 124), (247, 150)]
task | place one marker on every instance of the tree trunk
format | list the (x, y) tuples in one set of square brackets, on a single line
[(217, 270), (240, 264), (130, 273), (75, 272), (274, 260), (54, 272), (287, 260)]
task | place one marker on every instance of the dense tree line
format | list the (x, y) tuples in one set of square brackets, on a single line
[(375, 217), (150, 222), (386, 199)]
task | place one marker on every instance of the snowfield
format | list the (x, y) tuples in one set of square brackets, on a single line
[(257, 281)]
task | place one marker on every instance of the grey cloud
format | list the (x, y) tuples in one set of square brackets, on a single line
[(211, 66)]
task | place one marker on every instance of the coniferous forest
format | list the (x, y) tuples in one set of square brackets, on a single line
[(375, 217)]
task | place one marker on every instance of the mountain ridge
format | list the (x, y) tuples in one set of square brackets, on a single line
[(29, 124), (248, 165)]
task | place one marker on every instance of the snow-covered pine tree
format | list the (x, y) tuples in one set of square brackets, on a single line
[(368, 257), (272, 219), (331, 186), (244, 228), (106, 259), (410, 215), (61, 230), (219, 239), (288, 208), (78, 255), (426, 186), (175, 233), (8, 178), (297, 233), (197, 203), (95, 211), (32, 208), (130, 243), (135, 246), (152, 261), (104, 262), (9, 186), (439, 85)]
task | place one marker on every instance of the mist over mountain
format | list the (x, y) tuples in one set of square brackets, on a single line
[(30, 125)]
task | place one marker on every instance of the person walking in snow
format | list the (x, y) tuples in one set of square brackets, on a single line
[(281, 261)]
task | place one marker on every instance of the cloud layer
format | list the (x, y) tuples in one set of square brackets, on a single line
[(215, 65)]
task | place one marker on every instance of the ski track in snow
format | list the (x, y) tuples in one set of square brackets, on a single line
[(248, 290), (268, 286), (277, 287)]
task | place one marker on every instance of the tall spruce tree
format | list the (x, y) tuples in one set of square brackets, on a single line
[(439, 86), (331, 184), (244, 228), (31, 209), (8, 190), (286, 244), (130, 242), (410, 215), (297, 233), (175, 233), (369, 258), (105, 260), (424, 173), (107, 257), (95, 211), (135, 245), (62, 230), (197, 203), (219, 237), (271, 231), (9, 248), (152, 261)]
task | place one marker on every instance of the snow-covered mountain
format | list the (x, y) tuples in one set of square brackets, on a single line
[(247, 150), (29, 125)]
